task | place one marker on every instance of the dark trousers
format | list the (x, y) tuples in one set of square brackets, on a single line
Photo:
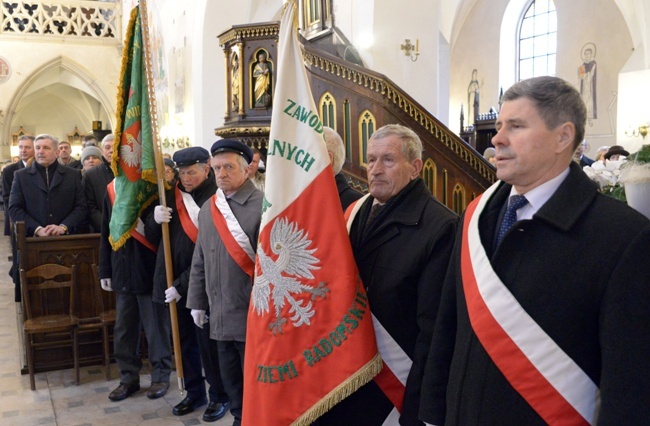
[(192, 371), (231, 363), (133, 310), (197, 358), (210, 360)]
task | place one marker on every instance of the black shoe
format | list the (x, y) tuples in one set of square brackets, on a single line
[(157, 390), (188, 405), (215, 411), (123, 391)]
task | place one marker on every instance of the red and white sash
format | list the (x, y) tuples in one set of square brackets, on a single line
[(138, 231), (188, 213), (397, 364), (233, 236), (539, 370)]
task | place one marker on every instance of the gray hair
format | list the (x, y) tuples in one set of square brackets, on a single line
[(243, 163), (108, 138), (51, 138), (556, 100), (489, 153), (335, 146), (411, 143), (26, 137)]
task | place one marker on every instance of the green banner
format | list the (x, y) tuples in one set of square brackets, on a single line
[(133, 160)]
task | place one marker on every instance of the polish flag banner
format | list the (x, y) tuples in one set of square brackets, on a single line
[(310, 340)]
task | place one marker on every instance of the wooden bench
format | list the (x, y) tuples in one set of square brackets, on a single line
[(90, 300)]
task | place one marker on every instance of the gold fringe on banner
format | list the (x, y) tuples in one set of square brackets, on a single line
[(342, 391)]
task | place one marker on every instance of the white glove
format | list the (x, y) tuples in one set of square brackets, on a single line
[(106, 284), (172, 294), (162, 214), (199, 317)]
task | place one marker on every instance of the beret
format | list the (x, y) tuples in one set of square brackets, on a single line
[(169, 162), (231, 145), (192, 155), (91, 150)]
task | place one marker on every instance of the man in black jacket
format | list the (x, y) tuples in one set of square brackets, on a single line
[(25, 152), (47, 196), (535, 326), (65, 156), (401, 239), (196, 184), (129, 272)]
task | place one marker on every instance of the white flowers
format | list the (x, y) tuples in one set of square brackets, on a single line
[(606, 174)]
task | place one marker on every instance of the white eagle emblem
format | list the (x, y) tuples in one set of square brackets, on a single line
[(279, 279), (132, 153)]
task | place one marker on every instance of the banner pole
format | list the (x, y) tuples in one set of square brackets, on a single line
[(160, 175)]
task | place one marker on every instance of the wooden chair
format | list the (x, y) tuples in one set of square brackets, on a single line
[(107, 318), (49, 311)]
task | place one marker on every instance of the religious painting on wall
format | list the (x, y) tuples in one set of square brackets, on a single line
[(160, 64), (5, 70), (587, 75), (472, 95)]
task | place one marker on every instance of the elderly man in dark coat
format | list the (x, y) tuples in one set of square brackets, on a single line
[(217, 281), (401, 238), (545, 316), (195, 186)]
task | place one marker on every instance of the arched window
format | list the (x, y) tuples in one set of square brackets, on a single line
[(429, 174), (458, 204), (315, 17), (367, 124), (327, 107), (538, 40)]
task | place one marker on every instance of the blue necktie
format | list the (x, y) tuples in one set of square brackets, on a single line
[(515, 203)]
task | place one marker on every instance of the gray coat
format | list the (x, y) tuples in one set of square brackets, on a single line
[(216, 280)]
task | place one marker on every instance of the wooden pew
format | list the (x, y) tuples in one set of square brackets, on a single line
[(83, 251)]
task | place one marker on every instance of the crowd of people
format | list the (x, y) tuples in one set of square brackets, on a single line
[(510, 314)]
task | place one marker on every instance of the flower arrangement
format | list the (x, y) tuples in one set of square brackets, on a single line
[(637, 167), (635, 176), (607, 174)]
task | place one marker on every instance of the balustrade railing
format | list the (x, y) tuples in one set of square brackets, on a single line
[(64, 18)]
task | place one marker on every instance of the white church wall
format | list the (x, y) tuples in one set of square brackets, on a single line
[(580, 22), (99, 62)]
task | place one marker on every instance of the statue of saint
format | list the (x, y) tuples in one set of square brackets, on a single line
[(262, 75), (234, 82)]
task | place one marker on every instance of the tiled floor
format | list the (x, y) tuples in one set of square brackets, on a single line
[(56, 400)]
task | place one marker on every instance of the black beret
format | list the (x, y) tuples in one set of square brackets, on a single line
[(231, 145), (192, 155), (169, 162)]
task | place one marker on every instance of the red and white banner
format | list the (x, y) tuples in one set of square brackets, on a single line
[(543, 374), (310, 340)]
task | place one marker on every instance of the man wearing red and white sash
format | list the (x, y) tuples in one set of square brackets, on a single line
[(402, 252), (221, 277), (195, 186), (545, 310)]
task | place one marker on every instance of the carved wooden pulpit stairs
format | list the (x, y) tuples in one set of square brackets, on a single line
[(351, 99)]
